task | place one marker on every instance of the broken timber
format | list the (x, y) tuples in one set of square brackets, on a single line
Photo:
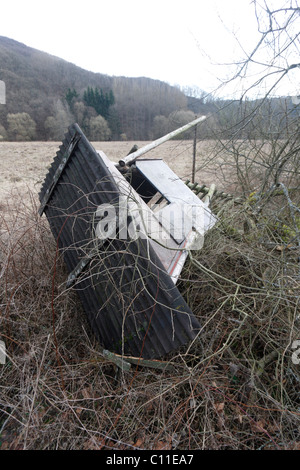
[(124, 362), (127, 286)]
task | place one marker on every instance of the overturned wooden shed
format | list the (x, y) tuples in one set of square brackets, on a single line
[(117, 226)]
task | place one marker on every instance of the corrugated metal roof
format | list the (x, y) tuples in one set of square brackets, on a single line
[(131, 302)]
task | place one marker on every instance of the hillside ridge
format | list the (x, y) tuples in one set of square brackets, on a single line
[(37, 83)]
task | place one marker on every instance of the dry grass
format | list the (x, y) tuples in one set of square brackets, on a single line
[(24, 164), (235, 387)]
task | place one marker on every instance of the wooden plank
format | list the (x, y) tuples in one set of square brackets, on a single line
[(116, 359), (124, 362), (152, 363)]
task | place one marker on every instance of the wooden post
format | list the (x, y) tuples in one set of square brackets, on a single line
[(194, 155)]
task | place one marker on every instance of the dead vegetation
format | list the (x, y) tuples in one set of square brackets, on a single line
[(235, 387)]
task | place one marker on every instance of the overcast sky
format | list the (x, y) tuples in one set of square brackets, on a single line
[(177, 41)]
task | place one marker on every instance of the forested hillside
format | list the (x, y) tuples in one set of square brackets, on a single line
[(44, 94)]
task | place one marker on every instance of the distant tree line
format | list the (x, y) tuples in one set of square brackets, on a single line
[(136, 116), (130, 110), (91, 111), (99, 100), (44, 95), (54, 93)]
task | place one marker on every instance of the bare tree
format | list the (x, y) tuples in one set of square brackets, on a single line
[(21, 127), (259, 131), (274, 60), (99, 129), (256, 159)]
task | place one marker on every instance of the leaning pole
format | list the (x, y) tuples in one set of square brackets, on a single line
[(133, 156)]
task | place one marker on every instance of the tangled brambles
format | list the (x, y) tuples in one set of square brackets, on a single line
[(235, 387)]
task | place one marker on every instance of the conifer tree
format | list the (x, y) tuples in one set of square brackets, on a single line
[(99, 100), (70, 95)]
